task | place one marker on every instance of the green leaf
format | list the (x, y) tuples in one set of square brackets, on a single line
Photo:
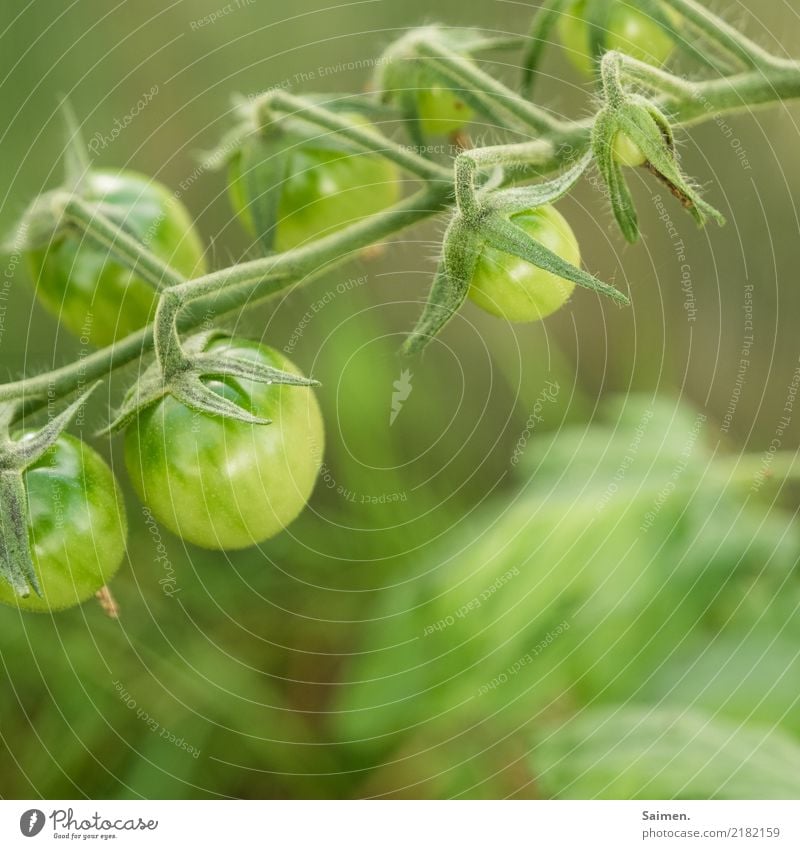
[(661, 753)]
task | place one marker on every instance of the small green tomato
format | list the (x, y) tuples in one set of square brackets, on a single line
[(629, 30), (627, 152), (440, 111), (94, 296), (324, 191), (76, 524), (220, 483), (510, 287)]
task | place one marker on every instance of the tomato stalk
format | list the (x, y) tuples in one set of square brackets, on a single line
[(491, 97), (557, 143), (267, 105), (720, 33), (95, 225)]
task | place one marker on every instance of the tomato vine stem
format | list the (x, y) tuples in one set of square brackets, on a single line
[(548, 144)]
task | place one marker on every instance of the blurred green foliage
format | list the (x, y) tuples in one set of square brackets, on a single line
[(635, 629)]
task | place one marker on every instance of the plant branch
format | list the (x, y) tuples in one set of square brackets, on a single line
[(465, 75), (99, 228), (363, 136), (720, 33), (227, 290), (190, 301)]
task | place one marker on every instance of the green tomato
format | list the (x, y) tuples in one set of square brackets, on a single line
[(629, 31), (76, 524), (627, 152), (324, 191), (221, 483), (510, 287), (93, 295), (441, 111)]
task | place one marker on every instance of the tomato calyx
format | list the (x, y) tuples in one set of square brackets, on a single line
[(16, 456), (485, 220), (190, 377), (648, 130)]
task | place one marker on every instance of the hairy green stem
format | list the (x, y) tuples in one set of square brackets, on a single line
[(542, 25), (735, 94), (654, 78), (232, 288), (227, 290), (98, 228), (364, 137), (467, 75), (467, 164), (722, 34)]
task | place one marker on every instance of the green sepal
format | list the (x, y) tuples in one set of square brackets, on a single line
[(40, 225), (502, 234), (649, 129), (522, 198), (20, 454), (598, 15), (16, 556), (76, 153), (188, 386), (461, 248), (489, 224), (262, 169), (619, 196), (43, 220), (544, 20)]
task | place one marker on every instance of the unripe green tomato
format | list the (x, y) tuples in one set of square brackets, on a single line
[(440, 111), (93, 295), (628, 30), (76, 524), (221, 483), (510, 287), (324, 191), (627, 152)]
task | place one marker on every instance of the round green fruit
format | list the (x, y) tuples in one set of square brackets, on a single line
[(220, 483), (440, 111), (325, 189), (510, 287), (94, 296), (76, 525), (629, 31)]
